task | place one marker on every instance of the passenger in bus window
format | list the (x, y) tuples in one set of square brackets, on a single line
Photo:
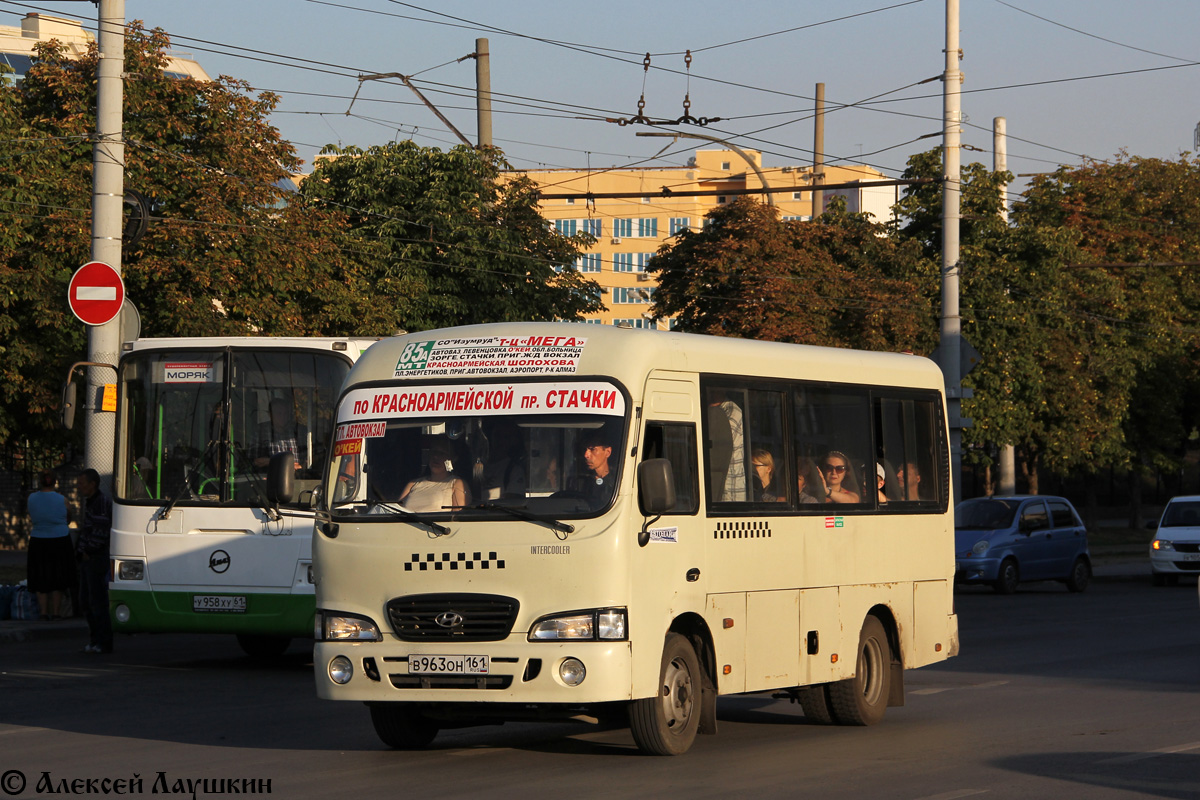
[(598, 486), (442, 490), (504, 473), (282, 435), (764, 476), (809, 480), (910, 480), (735, 476), (880, 483), (840, 481)]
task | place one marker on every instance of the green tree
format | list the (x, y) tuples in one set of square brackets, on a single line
[(463, 243), (747, 274), (227, 252)]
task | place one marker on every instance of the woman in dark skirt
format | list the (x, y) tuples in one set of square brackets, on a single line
[(51, 567)]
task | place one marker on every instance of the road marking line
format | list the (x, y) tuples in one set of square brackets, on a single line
[(1165, 751), (937, 689), (989, 685), (933, 691), (24, 730), (479, 751), (955, 794)]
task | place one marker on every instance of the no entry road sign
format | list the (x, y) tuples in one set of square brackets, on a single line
[(96, 293)]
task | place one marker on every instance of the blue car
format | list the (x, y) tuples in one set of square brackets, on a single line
[(1003, 541)]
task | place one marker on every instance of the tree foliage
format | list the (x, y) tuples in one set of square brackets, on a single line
[(460, 244), (830, 282)]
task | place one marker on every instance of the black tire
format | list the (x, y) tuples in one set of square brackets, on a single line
[(1172, 579), (861, 700), (1158, 579), (815, 704), (263, 646), (1008, 578), (1081, 575), (401, 727), (666, 725)]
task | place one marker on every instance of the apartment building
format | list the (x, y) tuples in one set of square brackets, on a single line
[(16, 46), (629, 230)]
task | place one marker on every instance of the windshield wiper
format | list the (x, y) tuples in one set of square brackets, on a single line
[(520, 513), (412, 516)]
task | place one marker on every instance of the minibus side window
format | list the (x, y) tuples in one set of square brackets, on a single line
[(676, 442)]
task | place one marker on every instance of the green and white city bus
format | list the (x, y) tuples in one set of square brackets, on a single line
[(196, 546)]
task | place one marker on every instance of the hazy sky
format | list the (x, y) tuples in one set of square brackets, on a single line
[(1081, 78)]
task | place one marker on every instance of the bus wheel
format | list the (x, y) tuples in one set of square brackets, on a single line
[(262, 646), (815, 704), (666, 725), (1008, 577), (401, 727), (861, 700)]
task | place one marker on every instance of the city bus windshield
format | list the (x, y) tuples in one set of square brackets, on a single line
[(199, 426), (549, 449)]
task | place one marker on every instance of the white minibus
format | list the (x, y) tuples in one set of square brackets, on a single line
[(542, 520)]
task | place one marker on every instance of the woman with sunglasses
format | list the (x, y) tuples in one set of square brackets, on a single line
[(841, 484)]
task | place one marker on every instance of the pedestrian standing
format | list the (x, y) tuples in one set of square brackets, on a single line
[(51, 566), (92, 552)]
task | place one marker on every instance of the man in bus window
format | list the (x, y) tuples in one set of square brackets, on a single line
[(598, 484), (282, 435), (909, 477)]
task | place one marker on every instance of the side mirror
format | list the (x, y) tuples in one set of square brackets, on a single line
[(281, 478), (656, 486), (68, 404)]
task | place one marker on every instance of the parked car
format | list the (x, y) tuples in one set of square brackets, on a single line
[(1175, 549), (1004, 541)]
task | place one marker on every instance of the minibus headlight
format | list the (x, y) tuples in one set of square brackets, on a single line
[(980, 547), (131, 570), (608, 624), (332, 626), (1162, 544)]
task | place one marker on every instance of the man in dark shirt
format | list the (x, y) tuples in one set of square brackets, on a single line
[(598, 486), (92, 552)]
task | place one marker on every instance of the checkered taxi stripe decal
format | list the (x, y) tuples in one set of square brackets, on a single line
[(446, 561), (756, 529)]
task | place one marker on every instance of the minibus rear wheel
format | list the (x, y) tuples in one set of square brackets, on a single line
[(401, 727), (861, 700), (666, 724)]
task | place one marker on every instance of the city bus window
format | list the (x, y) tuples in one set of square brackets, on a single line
[(832, 442), (676, 442), (906, 436), (747, 424)]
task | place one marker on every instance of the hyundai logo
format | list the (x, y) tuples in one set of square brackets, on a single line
[(449, 619)]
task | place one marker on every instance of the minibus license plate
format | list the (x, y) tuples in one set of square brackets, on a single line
[(230, 604), (448, 665)]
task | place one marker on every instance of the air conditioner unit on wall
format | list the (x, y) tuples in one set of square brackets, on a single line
[(616, 240), (643, 276)]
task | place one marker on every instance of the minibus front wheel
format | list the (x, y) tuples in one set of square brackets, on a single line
[(666, 724), (402, 727)]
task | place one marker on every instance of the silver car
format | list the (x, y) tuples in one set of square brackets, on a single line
[(1175, 549)]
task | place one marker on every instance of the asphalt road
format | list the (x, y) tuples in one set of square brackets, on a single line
[(1055, 695)]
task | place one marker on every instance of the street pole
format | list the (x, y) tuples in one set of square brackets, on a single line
[(1008, 455), (818, 196), (951, 322), (108, 192), (483, 91)]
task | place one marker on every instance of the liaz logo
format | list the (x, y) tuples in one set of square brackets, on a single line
[(218, 562)]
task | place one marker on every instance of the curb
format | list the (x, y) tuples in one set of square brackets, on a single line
[(36, 630)]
